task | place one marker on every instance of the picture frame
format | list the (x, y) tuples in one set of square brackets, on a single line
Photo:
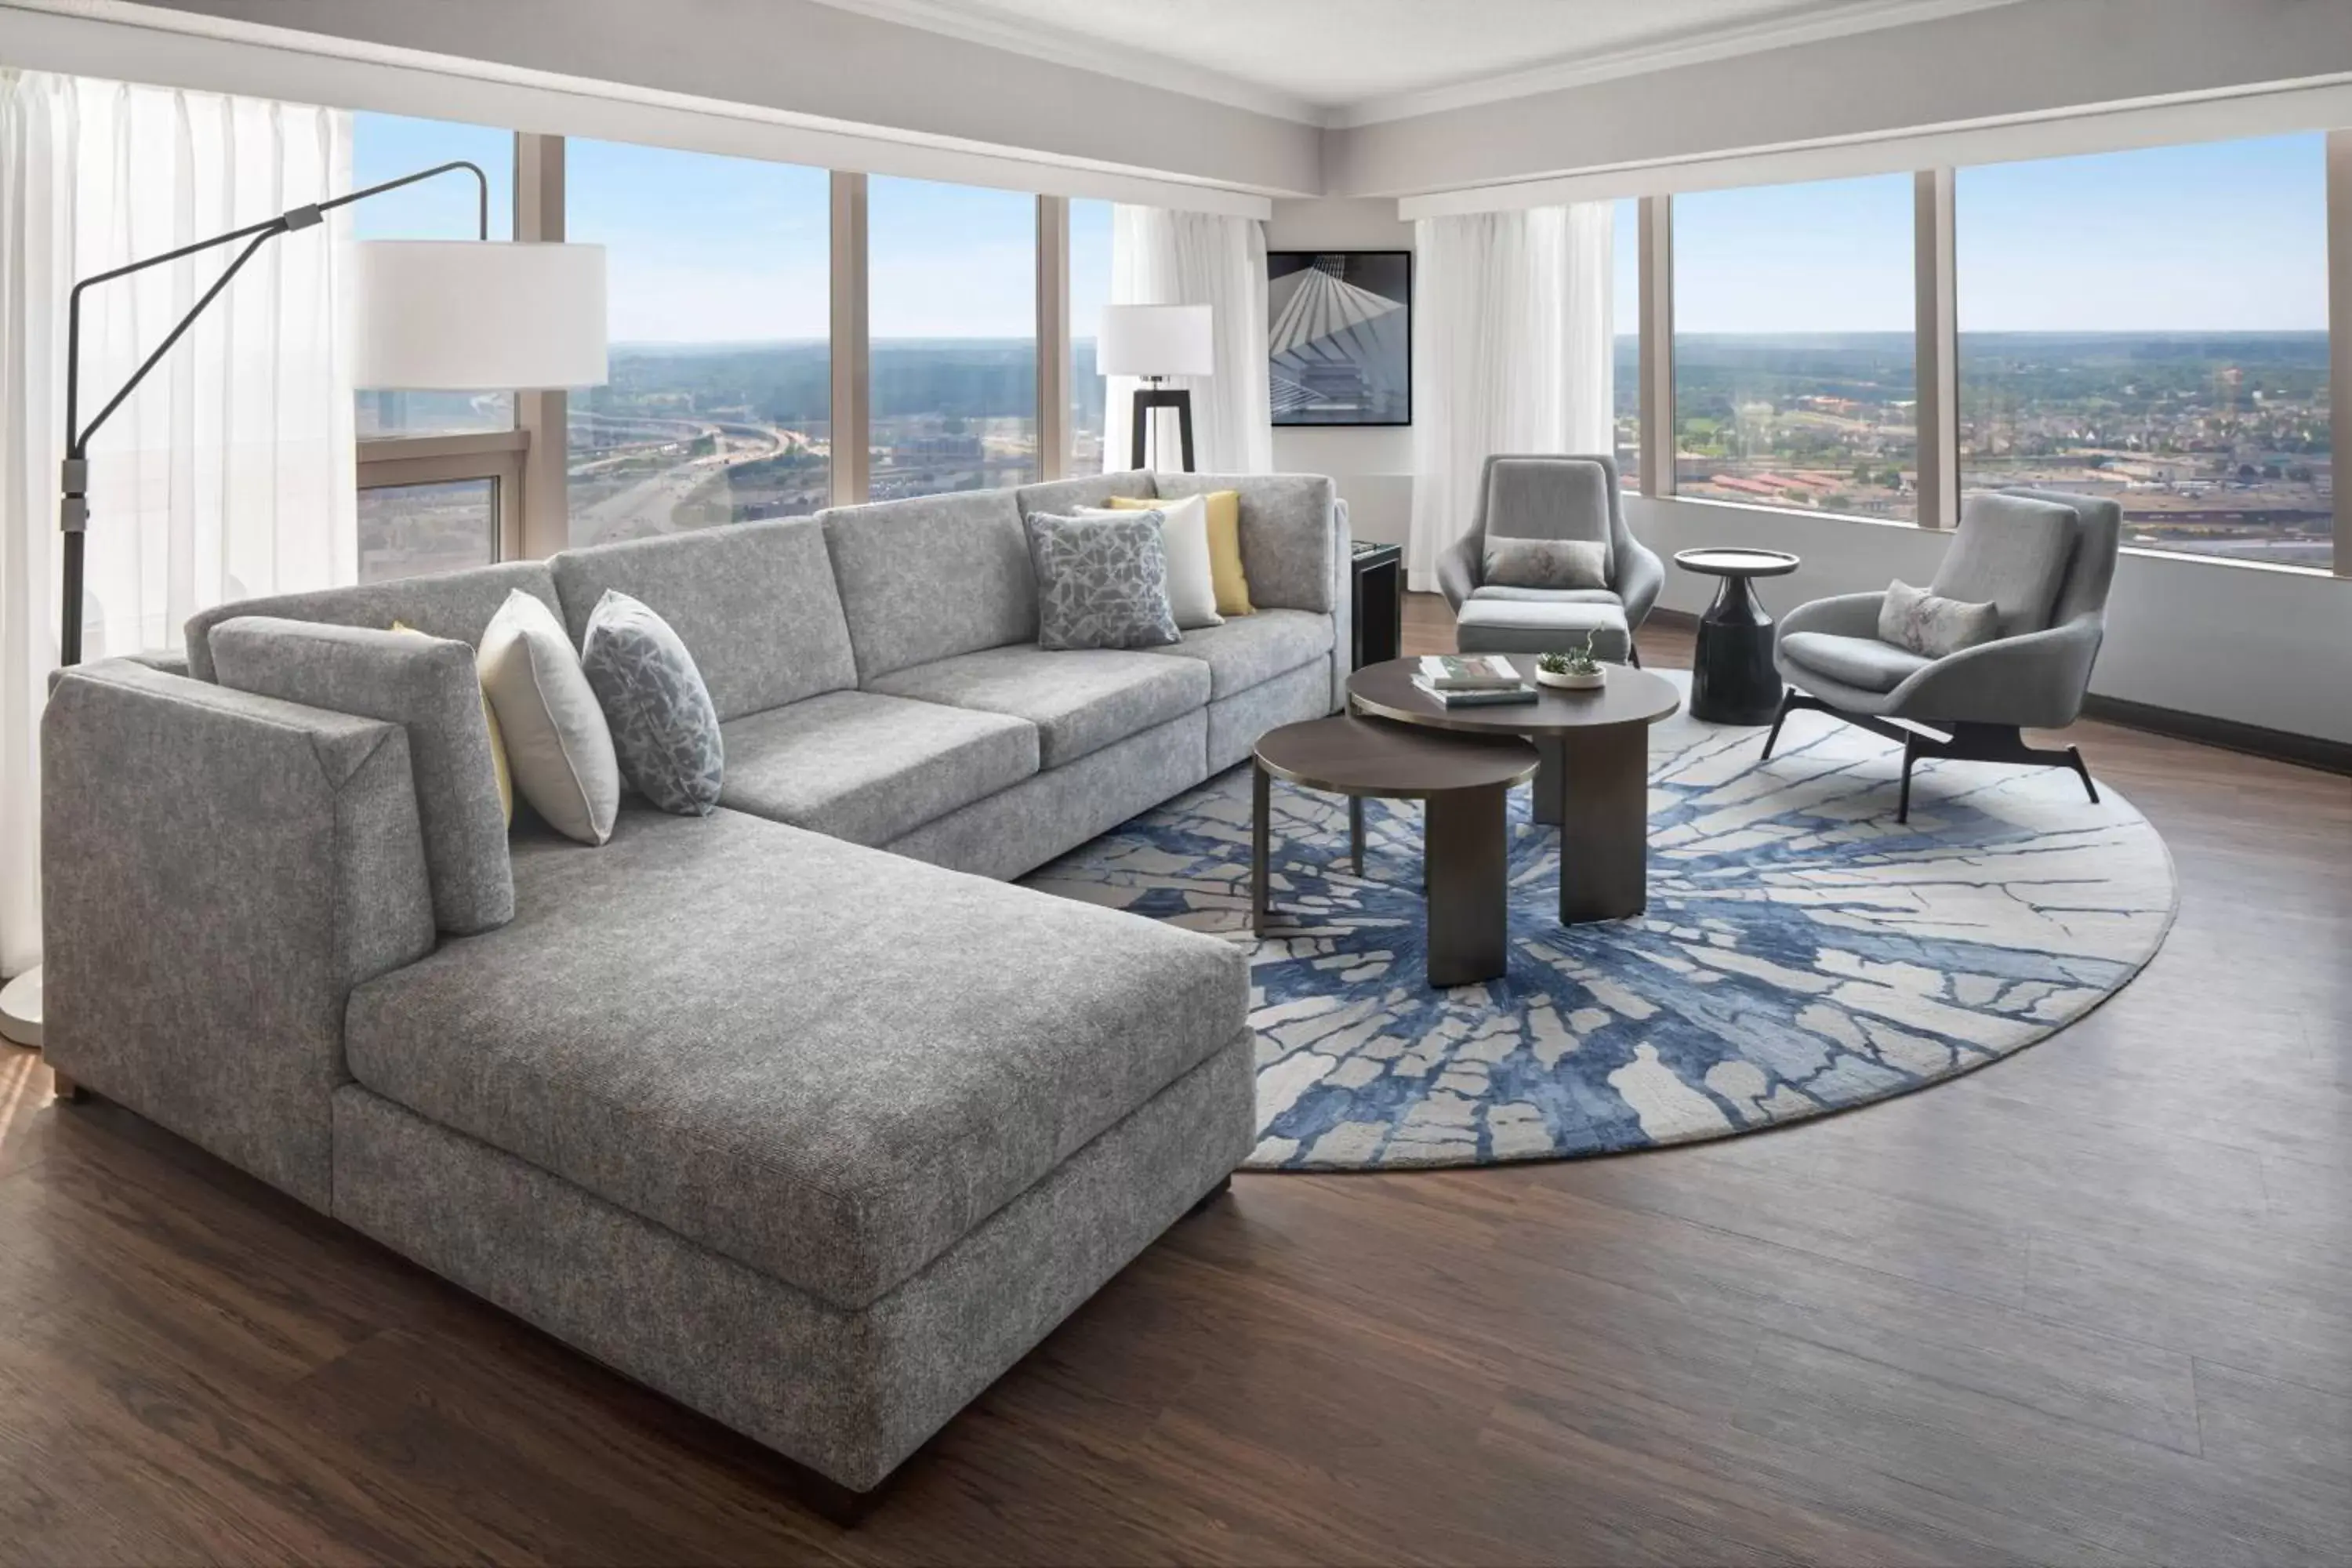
[(1340, 338)]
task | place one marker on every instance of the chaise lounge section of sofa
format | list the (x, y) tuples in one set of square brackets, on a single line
[(797, 1112)]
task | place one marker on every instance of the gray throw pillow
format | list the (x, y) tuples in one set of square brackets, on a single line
[(665, 730), (1546, 564), (429, 686), (1915, 618), (1102, 581)]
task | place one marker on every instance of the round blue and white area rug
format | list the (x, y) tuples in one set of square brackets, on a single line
[(1802, 952)]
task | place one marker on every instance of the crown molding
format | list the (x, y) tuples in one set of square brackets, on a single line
[(1085, 53), (1696, 48)]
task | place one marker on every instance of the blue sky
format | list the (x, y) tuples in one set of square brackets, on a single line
[(2219, 236)]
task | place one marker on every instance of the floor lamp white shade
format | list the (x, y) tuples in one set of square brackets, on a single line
[(477, 315), (1156, 340)]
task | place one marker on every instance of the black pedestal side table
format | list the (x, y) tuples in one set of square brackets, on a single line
[(1732, 677)]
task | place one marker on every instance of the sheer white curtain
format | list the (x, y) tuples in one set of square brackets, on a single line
[(1163, 258), (1511, 353), (230, 472)]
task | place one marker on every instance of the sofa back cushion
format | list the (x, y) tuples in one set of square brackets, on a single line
[(1289, 547), (454, 604), (932, 577), (427, 686), (1062, 496), (2011, 552), (754, 602)]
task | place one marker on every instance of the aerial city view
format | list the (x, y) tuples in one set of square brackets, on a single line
[(2216, 443)]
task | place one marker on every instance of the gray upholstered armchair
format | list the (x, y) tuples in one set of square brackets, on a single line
[(1538, 495), (2045, 561)]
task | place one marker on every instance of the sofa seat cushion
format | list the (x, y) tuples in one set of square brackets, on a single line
[(1502, 594), (1252, 651), (866, 767), (1080, 700), (824, 1061), (1864, 662)]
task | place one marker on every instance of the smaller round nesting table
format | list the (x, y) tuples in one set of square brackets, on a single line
[(1464, 780), (1732, 677)]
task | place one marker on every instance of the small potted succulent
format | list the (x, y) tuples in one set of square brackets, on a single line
[(1580, 670)]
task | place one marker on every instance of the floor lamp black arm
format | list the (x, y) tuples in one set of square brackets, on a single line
[(73, 507)]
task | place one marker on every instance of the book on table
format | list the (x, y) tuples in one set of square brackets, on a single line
[(1469, 672), (1480, 697)]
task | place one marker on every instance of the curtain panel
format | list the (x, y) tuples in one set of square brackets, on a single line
[(230, 472), (1512, 351), (1163, 257)]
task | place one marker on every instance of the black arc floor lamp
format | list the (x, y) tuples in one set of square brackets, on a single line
[(1156, 341), (433, 315)]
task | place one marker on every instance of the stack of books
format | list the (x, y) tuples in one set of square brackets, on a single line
[(1472, 681)]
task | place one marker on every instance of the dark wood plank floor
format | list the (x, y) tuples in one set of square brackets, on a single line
[(2093, 1304)]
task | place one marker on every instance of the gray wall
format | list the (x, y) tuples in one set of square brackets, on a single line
[(1373, 467), (2030, 57)]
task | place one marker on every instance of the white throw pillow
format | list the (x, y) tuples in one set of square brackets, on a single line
[(558, 746), (1184, 536)]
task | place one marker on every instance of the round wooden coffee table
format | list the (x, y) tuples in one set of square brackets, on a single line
[(1594, 778), (1463, 779)]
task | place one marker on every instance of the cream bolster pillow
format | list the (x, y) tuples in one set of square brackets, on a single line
[(1545, 563), (1184, 537), (1926, 624), (559, 748)]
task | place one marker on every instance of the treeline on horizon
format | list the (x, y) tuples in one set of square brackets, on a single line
[(982, 378)]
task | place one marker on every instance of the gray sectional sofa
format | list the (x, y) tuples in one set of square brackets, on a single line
[(796, 1112)]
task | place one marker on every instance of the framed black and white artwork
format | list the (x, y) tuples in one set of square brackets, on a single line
[(1340, 336)]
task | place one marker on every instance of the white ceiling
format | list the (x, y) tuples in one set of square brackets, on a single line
[(1351, 61)]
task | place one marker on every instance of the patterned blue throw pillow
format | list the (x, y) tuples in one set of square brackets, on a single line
[(1102, 581), (665, 730)]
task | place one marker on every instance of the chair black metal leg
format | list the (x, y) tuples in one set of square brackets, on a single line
[(1903, 802), (2082, 771), (1632, 651), (1772, 738)]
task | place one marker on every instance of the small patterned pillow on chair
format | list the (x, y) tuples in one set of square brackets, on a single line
[(1546, 564), (1915, 618)]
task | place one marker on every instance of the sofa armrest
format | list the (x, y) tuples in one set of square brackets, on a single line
[(1640, 577), (2035, 681), (1844, 615), (218, 871), (1458, 570)]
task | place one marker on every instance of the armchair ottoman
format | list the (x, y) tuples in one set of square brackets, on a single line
[(1550, 497)]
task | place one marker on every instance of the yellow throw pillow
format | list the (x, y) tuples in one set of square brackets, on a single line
[(498, 740), (1224, 547)]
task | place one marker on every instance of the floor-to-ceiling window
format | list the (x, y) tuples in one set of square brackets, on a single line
[(2152, 326), (443, 512), (1089, 292), (1793, 349), (1625, 338), (717, 276), (952, 314)]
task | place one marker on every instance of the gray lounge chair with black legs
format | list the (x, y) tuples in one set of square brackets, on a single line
[(2045, 561), (1548, 497)]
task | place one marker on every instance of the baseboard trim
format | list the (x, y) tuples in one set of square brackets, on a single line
[(2254, 740), (2278, 745)]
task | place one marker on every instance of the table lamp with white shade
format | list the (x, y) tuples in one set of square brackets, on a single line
[(1155, 341), (472, 315)]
